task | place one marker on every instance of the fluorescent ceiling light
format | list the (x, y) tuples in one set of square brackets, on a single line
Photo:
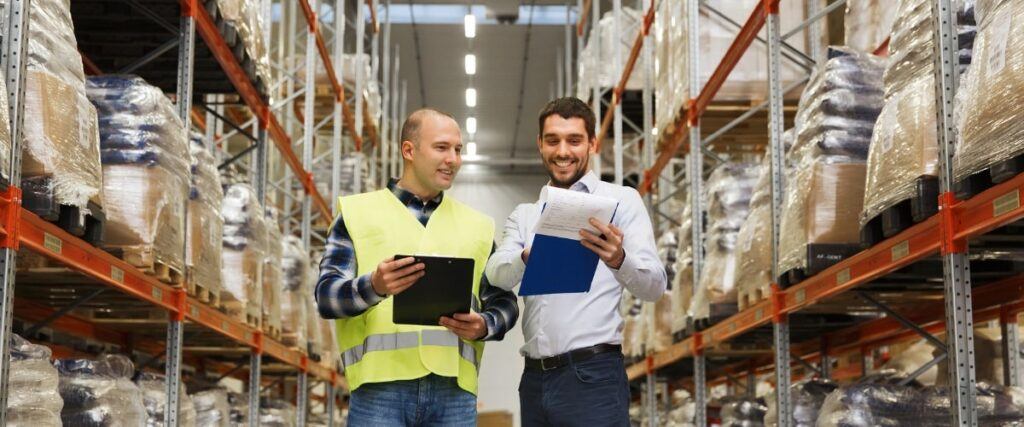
[(471, 149), (470, 21), (471, 97), (471, 125), (470, 64)]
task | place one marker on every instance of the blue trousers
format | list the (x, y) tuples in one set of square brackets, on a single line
[(591, 393), (429, 401)]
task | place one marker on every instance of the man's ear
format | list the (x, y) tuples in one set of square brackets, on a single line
[(593, 145), (407, 147)]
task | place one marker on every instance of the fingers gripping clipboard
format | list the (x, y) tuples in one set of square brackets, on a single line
[(446, 288)]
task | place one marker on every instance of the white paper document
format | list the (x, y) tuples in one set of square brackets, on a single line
[(567, 212)]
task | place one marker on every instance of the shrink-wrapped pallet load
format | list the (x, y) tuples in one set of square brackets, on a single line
[(244, 251), (145, 155), (868, 23), (154, 396), (33, 399), (205, 225), (295, 293), (272, 280), (682, 281), (743, 411), (245, 18), (658, 335), (806, 398), (100, 393), (212, 408), (887, 403), (239, 409), (276, 413)]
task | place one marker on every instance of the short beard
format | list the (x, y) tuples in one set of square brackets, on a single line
[(584, 168)]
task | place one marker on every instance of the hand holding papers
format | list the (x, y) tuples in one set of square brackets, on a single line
[(558, 262)]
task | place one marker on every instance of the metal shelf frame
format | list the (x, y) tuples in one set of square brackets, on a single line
[(187, 316), (943, 237)]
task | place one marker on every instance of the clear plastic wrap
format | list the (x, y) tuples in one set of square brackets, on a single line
[(670, 74), (244, 250), (239, 409), (682, 283), (246, 16), (154, 396), (351, 167), (295, 293), (32, 400), (328, 340), (868, 23), (887, 404), (205, 226), (145, 156), (276, 413), (806, 398), (212, 408), (272, 280), (681, 413), (742, 412), (992, 91), (100, 392)]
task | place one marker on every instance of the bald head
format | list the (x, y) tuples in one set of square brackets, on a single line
[(413, 123)]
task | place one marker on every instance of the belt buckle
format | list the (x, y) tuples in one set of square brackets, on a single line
[(544, 366)]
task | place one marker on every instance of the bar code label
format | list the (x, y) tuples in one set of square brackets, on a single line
[(195, 311), (53, 243), (157, 293), (224, 325), (843, 276), (999, 37), (117, 274), (901, 250), (801, 295), (759, 314), (1006, 203)]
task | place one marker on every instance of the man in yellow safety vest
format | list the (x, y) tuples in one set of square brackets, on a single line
[(405, 374)]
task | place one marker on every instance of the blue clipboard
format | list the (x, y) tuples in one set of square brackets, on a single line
[(559, 266)]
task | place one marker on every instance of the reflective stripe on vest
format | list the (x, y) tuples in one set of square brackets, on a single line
[(403, 340)]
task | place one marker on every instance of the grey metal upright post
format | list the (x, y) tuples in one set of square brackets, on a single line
[(956, 270), (648, 155), (1011, 349), (261, 162), (780, 324), (393, 130), (559, 73), (814, 32), (595, 16), (696, 177), (336, 141), (357, 96), (579, 44), (308, 122), (616, 102), (301, 399), (385, 141), (255, 365)]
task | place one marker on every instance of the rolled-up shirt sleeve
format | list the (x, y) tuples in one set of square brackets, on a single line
[(506, 267), (641, 271)]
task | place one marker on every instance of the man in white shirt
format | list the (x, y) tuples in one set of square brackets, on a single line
[(575, 373)]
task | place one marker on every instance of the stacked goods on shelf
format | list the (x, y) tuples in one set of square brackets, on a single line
[(61, 161), (632, 325), (658, 315), (239, 409), (989, 101), (371, 90), (205, 226), (100, 393), (272, 280), (885, 402), (243, 253), (212, 408), (743, 411), (276, 413), (154, 396), (32, 398), (672, 90), (902, 178), (868, 23), (144, 150), (681, 412), (825, 188), (806, 399), (599, 52), (682, 283), (295, 293), (727, 196), (329, 353), (988, 364), (243, 29), (350, 167)]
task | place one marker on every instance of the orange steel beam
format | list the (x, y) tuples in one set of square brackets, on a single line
[(207, 29), (634, 54), (582, 21)]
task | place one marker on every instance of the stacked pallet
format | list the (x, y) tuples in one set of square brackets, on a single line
[(241, 24), (295, 295), (205, 226), (33, 399), (270, 301), (243, 253)]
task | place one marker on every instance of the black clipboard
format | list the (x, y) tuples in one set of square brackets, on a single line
[(446, 288)]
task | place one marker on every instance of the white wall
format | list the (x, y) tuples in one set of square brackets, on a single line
[(497, 194)]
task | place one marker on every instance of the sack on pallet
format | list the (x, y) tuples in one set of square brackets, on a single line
[(681, 413), (244, 251), (145, 156), (669, 69), (272, 280), (154, 396), (212, 408), (32, 400), (806, 398), (990, 95), (276, 413), (868, 23), (682, 282), (743, 411), (205, 225), (246, 19), (100, 393), (295, 293), (239, 403)]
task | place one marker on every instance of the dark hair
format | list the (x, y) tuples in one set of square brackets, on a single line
[(411, 126), (568, 108)]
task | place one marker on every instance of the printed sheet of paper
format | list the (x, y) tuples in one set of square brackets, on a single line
[(567, 212)]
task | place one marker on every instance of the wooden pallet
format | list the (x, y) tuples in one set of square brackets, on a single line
[(272, 331), (820, 256), (747, 298), (995, 173), (921, 205), (242, 312), (201, 292), (132, 316), (143, 259)]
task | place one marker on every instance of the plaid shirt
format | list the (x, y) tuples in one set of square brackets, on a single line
[(340, 294)]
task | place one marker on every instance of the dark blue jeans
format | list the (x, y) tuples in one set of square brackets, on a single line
[(591, 393), (429, 401)]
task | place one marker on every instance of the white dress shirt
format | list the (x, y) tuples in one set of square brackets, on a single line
[(555, 324)]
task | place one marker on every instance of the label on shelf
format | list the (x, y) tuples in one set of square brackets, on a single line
[(53, 243), (843, 276), (194, 310), (901, 250), (759, 314), (157, 293), (117, 274), (801, 295), (1006, 203)]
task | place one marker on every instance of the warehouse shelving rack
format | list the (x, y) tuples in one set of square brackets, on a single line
[(930, 259), (90, 277)]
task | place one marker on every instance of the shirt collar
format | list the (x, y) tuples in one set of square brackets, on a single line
[(586, 184), (407, 197)]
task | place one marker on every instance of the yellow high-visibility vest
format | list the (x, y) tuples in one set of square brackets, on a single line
[(373, 348)]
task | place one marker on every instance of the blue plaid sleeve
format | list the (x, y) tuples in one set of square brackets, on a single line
[(499, 308), (339, 293)]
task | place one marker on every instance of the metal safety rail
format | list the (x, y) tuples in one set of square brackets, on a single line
[(934, 251)]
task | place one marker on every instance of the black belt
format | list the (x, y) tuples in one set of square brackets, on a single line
[(578, 355)]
